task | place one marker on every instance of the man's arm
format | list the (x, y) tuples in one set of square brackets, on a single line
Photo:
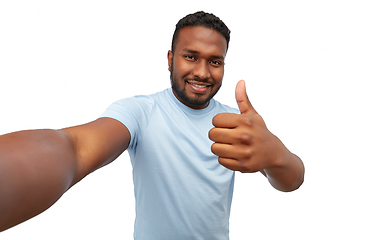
[(288, 174), (38, 166)]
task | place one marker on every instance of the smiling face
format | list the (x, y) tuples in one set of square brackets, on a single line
[(197, 65)]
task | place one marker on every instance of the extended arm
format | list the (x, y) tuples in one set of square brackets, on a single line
[(38, 166)]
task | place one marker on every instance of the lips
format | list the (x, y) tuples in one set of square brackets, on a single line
[(198, 83), (198, 87)]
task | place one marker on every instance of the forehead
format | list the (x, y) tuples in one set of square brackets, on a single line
[(201, 39)]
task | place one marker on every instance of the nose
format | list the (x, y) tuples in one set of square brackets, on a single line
[(201, 70)]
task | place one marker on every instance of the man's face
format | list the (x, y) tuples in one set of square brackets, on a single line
[(197, 65)]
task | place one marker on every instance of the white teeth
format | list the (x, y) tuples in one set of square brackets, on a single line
[(199, 86)]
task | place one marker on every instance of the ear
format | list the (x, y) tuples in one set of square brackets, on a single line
[(169, 58)]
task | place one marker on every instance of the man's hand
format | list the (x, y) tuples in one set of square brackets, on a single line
[(242, 141)]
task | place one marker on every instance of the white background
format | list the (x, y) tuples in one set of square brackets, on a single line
[(319, 72)]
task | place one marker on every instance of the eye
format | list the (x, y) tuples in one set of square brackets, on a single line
[(189, 57), (216, 63)]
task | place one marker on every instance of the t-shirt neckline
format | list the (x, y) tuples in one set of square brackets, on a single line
[(189, 110)]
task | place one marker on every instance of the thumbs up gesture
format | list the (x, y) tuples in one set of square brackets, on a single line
[(242, 141)]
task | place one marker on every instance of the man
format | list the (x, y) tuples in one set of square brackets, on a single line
[(184, 147)]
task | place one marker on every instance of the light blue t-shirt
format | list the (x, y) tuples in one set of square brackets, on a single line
[(181, 190)]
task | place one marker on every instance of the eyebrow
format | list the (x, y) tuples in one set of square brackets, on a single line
[(190, 51), (197, 52)]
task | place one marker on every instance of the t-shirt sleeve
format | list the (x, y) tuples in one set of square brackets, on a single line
[(133, 112)]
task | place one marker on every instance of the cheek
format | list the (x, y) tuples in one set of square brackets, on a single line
[(182, 68), (217, 74)]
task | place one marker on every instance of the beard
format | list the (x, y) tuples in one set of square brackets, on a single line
[(196, 102)]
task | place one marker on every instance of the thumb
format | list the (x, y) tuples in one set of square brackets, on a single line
[(243, 102)]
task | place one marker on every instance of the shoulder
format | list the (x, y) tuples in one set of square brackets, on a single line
[(133, 112), (143, 103)]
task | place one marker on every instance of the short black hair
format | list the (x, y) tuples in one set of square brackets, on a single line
[(203, 19)]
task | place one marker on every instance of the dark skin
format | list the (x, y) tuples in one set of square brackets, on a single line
[(38, 166), (242, 141), (198, 65)]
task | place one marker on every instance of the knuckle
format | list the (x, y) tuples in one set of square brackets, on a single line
[(245, 138), (247, 121), (247, 153)]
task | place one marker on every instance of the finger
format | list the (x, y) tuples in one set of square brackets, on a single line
[(230, 136), (242, 99), (230, 163), (226, 151), (226, 120), (222, 135)]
